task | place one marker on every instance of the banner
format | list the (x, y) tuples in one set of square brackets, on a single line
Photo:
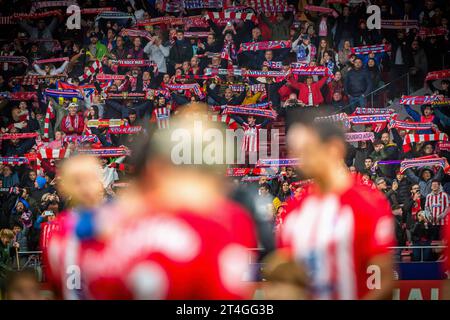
[(14, 160), (362, 110), (105, 123), (133, 63), (125, 130), (412, 163), (399, 24), (306, 71), (105, 152), (14, 59), (90, 138), (12, 136), (377, 48), (44, 61), (265, 113), (406, 125), (438, 75), (265, 45), (419, 100), (278, 162), (359, 136)]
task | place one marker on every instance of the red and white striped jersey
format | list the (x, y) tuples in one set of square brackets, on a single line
[(335, 236), (250, 141), (436, 204), (47, 229)]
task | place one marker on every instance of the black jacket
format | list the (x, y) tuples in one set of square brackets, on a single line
[(181, 51), (358, 82)]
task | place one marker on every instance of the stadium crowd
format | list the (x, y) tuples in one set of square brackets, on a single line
[(131, 65)]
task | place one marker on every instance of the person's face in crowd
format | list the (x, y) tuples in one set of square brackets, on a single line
[(326, 57), (113, 88), (352, 169), (119, 42), (262, 180), (5, 240), (371, 63), (94, 39), (346, 11), (58, 134), (265, 68), (385, 138), (228, 94), (311, 30), (180, 36), (268, 55), (16, 229), (178, 72), (110, 34), (47, 68), (228, 37), (337, 96), (399, 176), (279, 17), (435, 186), (194, 62), (166, 78), (285, 187), (215, 61), (161, 101), (7, 171), (428, 149), (415, 189), (426, 175), (256, 33), (132, 118), (381, 185), (146, 75), (378, 147), (263, 191), (23, 105), (323, 44), (298, 193), (362, 25), (251, 120), (368, 163), (41, 25), (293, 96), (20, 207), (306, 42), (427, 111), (32, 176), (72, 111), (429, 5), (24, 288), (137, 42), (415, 45), (210, 39), (444, 86), (337, 76), (186, 66), (358, 64), (309, 81)]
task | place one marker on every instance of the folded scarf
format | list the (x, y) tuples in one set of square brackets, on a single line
[(359, 136), (125, 130), (399, 24), (265, 113), (265, 45)]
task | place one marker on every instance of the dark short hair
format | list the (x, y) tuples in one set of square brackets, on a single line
[(377, 142), (265, 186), (436, 180)]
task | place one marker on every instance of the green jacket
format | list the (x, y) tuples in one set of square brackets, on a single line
[(5, 260)]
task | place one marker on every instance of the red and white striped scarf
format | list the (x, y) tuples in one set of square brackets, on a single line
[(135, 33), (48, 153), (49, 114), (68, 121), (406, 125), (443, 146), (229, 16), (95, 67), (43, 61), (414, 138)]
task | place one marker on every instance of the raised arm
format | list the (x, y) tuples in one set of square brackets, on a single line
[(412, 113)]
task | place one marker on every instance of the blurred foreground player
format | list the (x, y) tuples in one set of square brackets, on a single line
[(163, 238), (340, 232), (446, 282)]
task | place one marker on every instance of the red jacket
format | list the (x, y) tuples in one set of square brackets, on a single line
[(76, 122), (303, 90)]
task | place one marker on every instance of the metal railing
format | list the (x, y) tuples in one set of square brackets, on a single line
[(371, 97)]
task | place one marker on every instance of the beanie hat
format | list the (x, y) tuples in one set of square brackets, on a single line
[(41, 181)]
